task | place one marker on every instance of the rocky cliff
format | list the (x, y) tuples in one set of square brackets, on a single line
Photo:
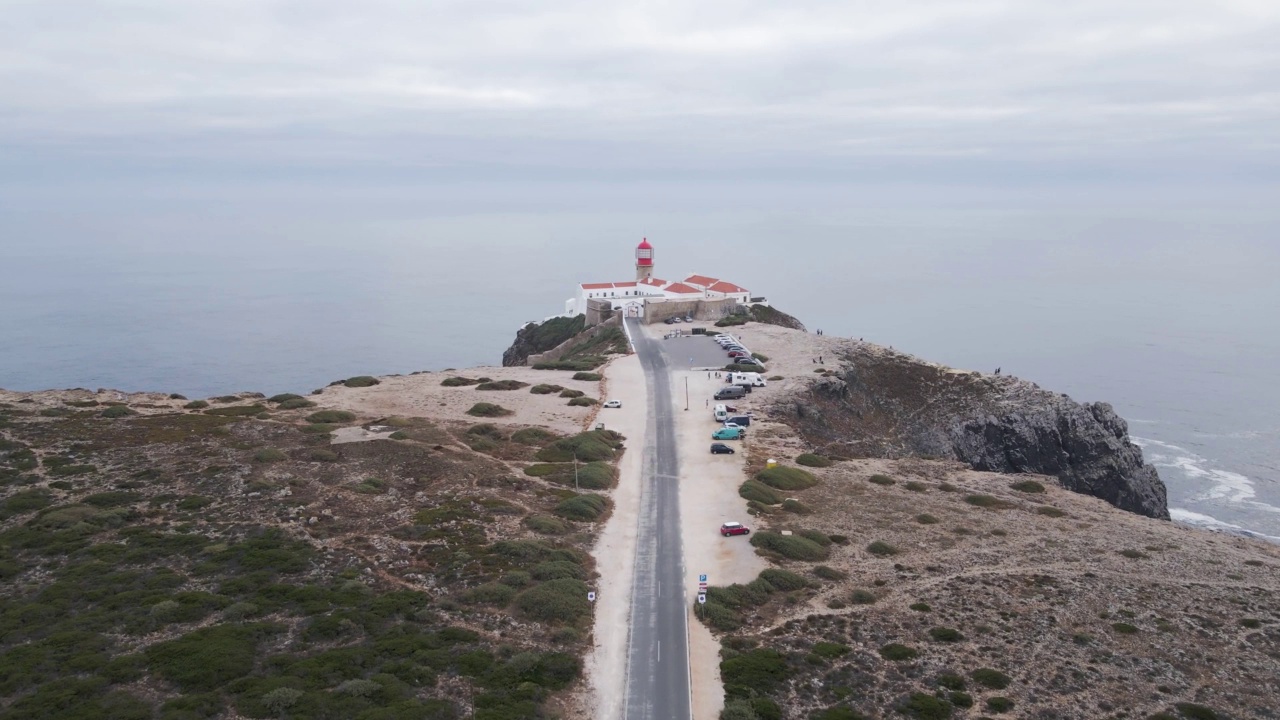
[(540, 337), (879, 403)]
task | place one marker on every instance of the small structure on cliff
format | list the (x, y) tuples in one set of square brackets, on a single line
[(655, 299)]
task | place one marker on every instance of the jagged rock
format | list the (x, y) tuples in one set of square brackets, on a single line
[(540, 337), (885, 404)]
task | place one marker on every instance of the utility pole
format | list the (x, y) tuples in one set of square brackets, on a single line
[(686, 392)]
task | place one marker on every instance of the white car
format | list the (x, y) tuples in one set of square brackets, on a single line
[(613, 404)]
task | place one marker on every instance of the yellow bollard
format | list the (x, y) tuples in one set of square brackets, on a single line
[(771, 463)]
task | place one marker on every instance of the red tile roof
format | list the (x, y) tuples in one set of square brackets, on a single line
[(596, 286), (625, 284), (701, 280), (726, 287), (653, 281), (681, 288)]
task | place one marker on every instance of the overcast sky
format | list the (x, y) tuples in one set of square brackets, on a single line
[(949, 90)]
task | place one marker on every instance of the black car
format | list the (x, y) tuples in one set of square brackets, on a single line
[(670, 321), (721, 449)]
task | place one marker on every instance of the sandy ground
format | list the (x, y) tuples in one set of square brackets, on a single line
[(615, 548), (422, 395), (708, 497)]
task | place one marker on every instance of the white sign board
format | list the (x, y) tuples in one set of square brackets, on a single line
[(702, 598), (591, 597)]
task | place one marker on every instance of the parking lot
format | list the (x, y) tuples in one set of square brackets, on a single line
[(692, 351)]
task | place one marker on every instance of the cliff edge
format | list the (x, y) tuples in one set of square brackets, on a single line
[(871, 401)]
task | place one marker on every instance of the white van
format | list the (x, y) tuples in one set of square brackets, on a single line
[(721, 412), (749, 379)]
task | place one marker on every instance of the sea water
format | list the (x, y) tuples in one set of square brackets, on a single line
[(1170, 313)]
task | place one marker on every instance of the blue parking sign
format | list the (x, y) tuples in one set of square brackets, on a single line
[(702, 578)]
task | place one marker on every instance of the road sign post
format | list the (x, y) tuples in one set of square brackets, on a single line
[(591, 596)]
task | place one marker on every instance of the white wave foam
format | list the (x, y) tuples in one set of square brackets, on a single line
[(1200, 520), (1224, 484)]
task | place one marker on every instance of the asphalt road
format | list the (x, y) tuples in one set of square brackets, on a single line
[(658, 651)]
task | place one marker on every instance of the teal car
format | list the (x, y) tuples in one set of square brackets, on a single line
[(728, 434)]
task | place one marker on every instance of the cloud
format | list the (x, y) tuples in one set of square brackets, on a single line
[(677, 85)]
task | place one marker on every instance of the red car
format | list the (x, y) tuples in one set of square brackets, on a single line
[(733, 528)]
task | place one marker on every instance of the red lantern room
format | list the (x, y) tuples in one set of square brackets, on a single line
[(644, 260)]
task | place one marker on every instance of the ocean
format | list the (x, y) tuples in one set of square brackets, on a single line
[(1166, 310)]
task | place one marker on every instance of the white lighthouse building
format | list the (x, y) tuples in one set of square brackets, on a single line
[(633, 295)]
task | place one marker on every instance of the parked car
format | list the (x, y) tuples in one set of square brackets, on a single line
[(613, 404), (728, 434), (734, 425), (670, 321), (737, 354), (733, 528), (732, 392), (739, 420), (721, 449)]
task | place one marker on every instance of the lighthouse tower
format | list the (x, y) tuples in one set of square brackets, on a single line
[(644, 260)]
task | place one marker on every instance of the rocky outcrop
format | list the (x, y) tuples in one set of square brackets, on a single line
[(886, 404), (773, 316), (540, 337)]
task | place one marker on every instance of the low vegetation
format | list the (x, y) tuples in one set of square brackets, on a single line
[(361, 381), (812, 460), (791, 547), (489, 410), (502, 385), (786, 478)]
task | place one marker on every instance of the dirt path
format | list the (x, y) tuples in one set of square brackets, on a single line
[(615, 549)]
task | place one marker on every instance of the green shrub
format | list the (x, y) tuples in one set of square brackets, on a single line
[(951, 681), (546, 524), (543, 469), (991, 678), (269, 455), (322, 455), (793, 547), (812, 460), (118, 411), (296, 404), (999, 704), (1134, 554), (920, 607), (897, 652), (1196, 712), (1028, 486), (914, 486), (557, 570), (581, 363), (571, 393), (583, 402), (502, 385), (588, 376), (282, 397), (1251, 623), (586, 447), (533, 436), (484, 409), (582, 507), (544, 389), (562, 600), (1052, 512), (111, 498), (829, 573), (207, 658), (945, 634), (815, 536), (25, 501), (361, 381), (926, 519), (759, 492), (786, 478), (494, 594), (732, 321), (795, 506), (1124, 628), (236, 411), (839, 712), (461, 381), (882, 549), (862, 597), (756, 672), (488, 430), (926, 707), (331, 416), (881, 480), (281, 699), (784, 580), (985, 501), (830, 650)]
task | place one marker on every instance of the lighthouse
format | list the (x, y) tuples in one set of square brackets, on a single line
[(644, 260)]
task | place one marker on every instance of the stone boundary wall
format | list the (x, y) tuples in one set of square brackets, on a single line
[(558, 351), (701, 309)]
